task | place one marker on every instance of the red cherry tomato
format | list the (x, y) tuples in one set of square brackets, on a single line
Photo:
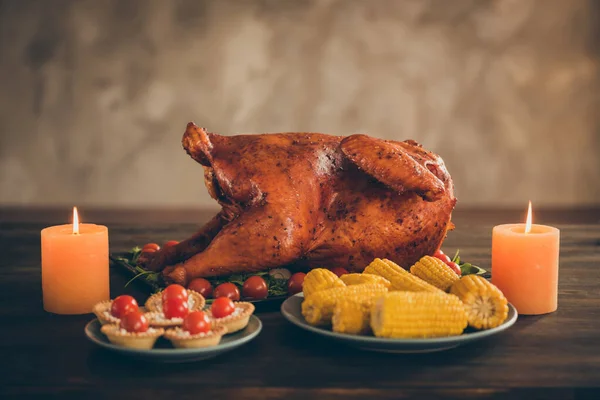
[(440, 254), (149, 250), (201, 286), (171, 243), (255, 287), (222, 307), (150, 247), (135, 321), (174, 291), (295, 283), (339, 271), (454, 267), (227, 290), (123, 305), (196, 322), (175, 308)]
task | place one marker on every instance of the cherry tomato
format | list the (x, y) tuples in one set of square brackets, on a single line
[(227, 290), (171, 243), (135, 321), (149, 250), (440, 254), (174, 291), (255, 287), (196, 322), (123, 305), (454, 267), (152, 247), (295, 283), (175, 308), (201, 286), (222, 307), (339, 271)]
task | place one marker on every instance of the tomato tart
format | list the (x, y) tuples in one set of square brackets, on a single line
[(232, 315), (195, 301), (133, 331)]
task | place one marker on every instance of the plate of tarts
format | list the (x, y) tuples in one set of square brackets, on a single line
[(172, 329), (390, 309)]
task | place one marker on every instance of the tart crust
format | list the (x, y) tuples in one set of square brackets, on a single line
[(209, 339), (234, 323), (154, 302), (143, 340), (100, 309)]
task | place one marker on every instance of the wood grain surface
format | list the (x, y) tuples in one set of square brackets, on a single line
[(554, 356)]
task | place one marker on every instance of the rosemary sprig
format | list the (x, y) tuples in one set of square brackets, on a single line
[(138, 275)]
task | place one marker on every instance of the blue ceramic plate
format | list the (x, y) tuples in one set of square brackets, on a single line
[(164, 352), (291, 310)]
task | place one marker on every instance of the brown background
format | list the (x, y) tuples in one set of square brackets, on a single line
[(94, 95)]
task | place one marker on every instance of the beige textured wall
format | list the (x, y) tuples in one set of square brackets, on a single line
[(94, 95)]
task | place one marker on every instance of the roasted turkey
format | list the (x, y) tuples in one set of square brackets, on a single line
[(310, 200)]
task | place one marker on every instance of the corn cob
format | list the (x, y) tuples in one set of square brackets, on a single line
[(317, 309), (485, 304), (320, 279), (418, 315), (352, 316), (435, 272), (357, 279), (398, 276)]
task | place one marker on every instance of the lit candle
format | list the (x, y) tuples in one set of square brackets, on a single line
[(525, 265), (75, 267)]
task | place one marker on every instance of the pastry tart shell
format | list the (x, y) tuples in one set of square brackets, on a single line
[(142, 341), (212, 338), (100, 309), (235, 323)]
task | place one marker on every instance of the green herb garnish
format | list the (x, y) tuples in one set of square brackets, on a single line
[(148, 275), (277, 287), (467, 268)]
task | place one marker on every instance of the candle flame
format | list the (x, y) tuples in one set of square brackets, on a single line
[(75, 221), (528, 222)]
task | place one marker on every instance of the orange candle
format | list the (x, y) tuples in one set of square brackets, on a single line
[(525, 265), (75, 267)]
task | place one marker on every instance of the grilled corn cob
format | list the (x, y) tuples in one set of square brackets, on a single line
[(352, 316), (435, 272), (485, 304), (317, 309), (398, 276), (320, 279), (357, 279), (418, 315)]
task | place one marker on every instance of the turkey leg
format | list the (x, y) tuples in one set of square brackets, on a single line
[(185, 249), (255, 241)]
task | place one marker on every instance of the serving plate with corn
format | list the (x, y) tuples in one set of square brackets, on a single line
[(388, 308)]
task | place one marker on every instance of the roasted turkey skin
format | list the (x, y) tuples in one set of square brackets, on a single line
[(311, 200)]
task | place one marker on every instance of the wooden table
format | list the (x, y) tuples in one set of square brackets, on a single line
[(553, 356)]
